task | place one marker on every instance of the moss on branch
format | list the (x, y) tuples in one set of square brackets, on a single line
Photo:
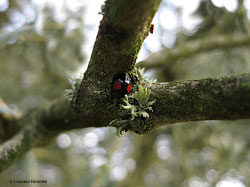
[(124, 27), (225, 98)]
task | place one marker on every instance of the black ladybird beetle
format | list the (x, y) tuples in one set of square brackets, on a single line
[(121, 85)]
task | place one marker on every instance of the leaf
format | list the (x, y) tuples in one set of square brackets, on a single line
[(143, 114), (151, 103), (126, 107), (148, 108), (143, 107), (142, 95), (141, 70), (69, 94), (133, 112)]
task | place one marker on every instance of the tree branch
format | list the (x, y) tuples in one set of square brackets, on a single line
[(8, 121), (191, 48), (225, 98), (124, 27), (33, 134), (10, 150)]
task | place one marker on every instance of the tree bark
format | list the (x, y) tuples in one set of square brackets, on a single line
[(225, 98), (124, 27)]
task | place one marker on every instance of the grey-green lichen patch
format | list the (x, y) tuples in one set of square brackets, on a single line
[(103, 6), (135, 112), (75, 83), (136, 75)]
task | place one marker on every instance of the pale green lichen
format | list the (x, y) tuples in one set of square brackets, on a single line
[(142, 106), (135, 112), (103, 6), (151, 79), (75, 83)]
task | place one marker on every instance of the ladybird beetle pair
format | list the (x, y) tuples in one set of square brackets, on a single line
[(121, 85)]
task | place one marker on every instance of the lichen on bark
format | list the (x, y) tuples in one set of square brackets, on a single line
[(134, 112), (124, 27)]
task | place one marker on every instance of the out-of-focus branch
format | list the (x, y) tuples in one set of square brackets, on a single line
[(13, 148), (191, 48), (39, 127), (34, 133), (8, 121)]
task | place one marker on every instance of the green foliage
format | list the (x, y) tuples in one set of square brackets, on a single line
[(141, 70), (119, 124), (130, 107), (142, 97), (136, 110), (34, 69), (142, 106), (103, 6), (146, 78)]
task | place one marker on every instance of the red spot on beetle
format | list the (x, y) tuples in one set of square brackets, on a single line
[(151, 30), (120, 85), (117, 85), (128, 88)]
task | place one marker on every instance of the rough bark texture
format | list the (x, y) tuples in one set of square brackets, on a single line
[(124, 27), (226, 98)]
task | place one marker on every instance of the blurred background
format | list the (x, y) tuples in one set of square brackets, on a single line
[(43, 44)]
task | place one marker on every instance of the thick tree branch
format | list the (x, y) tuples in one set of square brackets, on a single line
[(226, 98), (124, 27), (168, 56), (40, 126)]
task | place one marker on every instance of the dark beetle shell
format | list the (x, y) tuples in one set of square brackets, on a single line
[(121, 85)]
